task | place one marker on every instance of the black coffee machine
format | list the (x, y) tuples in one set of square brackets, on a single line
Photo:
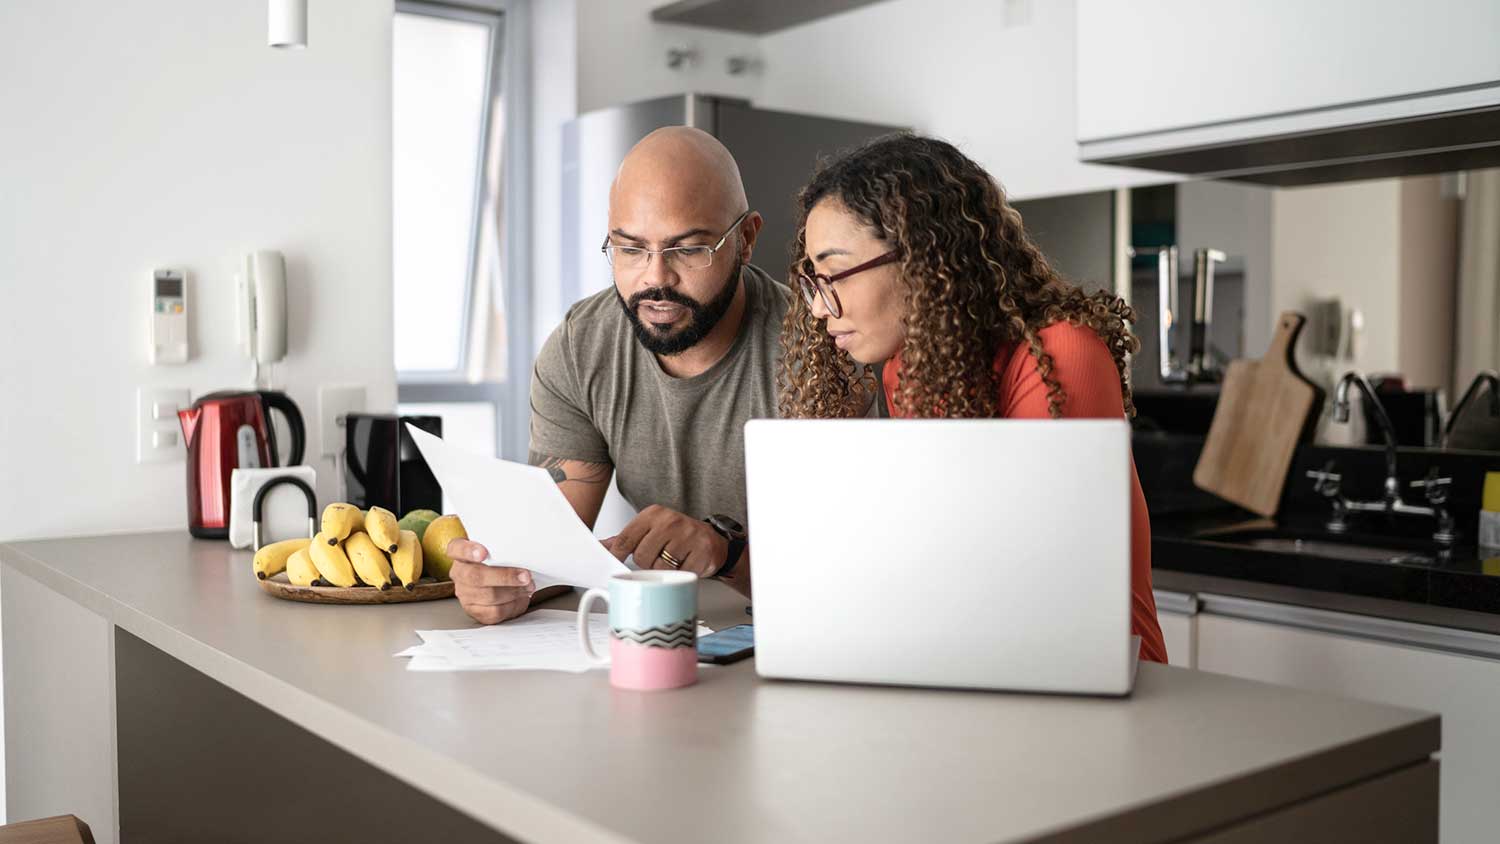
[(383, 466)]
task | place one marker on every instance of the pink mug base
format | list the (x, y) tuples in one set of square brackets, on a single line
[(643, 668)]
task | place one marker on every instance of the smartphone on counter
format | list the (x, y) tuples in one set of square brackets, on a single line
[(731, 644)]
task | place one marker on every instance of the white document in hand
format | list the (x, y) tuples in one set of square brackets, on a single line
[(519, 514)]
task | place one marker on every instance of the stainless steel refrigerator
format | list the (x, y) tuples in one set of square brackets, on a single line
[(776, 151)]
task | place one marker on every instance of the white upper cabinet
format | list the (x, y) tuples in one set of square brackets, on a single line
[(1159, 66)]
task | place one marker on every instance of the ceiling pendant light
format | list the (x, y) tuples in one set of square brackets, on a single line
[(286, 23)]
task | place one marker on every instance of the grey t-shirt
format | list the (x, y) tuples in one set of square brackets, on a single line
[(598, 395)]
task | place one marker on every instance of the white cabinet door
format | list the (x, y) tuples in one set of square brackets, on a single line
[(1177, 631), (59, 707), (1465, 689), (1156, 65), (1176, 612)]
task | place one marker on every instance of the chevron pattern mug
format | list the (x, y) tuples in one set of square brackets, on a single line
[(653, 627)]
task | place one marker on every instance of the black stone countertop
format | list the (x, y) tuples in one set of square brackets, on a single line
[(1457, 587)]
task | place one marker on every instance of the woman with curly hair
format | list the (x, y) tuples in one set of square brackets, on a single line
[(923, 294)]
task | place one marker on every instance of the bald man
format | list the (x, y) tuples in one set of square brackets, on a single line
[(652, 382)]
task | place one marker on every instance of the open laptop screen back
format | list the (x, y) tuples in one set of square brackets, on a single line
[(968, 553)]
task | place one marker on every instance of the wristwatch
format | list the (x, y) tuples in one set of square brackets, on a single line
[(734, 533)]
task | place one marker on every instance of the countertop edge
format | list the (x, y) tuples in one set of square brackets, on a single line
[(1304, 778), (501, 806)]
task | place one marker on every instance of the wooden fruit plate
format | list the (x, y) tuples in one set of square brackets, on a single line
[(426, 589)]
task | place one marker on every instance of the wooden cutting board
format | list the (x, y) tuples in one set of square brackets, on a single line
[(1265, 408)]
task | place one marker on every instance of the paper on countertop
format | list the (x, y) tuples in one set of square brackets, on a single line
[(424, 662), (519, 514), (436, 663), (541, 640), (546, 639)]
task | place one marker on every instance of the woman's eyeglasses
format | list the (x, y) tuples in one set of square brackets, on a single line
[(818, 284)]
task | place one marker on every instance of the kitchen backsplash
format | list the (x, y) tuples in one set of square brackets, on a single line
[(1362, 471), (1165, 464)]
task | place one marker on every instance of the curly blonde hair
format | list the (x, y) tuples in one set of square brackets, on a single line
[(971, 279)]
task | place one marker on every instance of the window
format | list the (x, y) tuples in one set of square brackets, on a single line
[(457, 94), (441, 69)]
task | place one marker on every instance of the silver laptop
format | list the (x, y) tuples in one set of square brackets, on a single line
[(984, 554)]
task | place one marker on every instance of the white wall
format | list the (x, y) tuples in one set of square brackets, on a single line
[(1388, 248), (1428, 284), (1340, 240), (946, 67), (166, 133), (1476, 341), (951, 68), (622, 56)]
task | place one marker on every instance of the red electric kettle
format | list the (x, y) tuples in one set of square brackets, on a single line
[(228, 431)]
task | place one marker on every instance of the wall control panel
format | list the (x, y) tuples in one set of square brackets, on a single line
[(169, 316)]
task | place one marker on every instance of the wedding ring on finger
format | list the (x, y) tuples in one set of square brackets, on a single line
[(671, 560)]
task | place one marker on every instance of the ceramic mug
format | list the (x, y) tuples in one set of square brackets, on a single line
[(653, 629)]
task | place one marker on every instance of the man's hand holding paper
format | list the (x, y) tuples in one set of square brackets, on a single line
[(524, 535), (490, 594)]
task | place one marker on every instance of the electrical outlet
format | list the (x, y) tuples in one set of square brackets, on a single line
[(158, 433), (335, 403)]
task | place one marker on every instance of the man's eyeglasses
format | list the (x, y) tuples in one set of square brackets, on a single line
[(676, 257), (818, 284)]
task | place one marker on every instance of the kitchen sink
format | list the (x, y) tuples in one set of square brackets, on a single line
[(1363, 549)]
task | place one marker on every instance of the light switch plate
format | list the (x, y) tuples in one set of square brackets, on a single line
[(334, 403), (158, 433)]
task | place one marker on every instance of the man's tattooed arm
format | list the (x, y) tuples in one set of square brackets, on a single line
[(578, 471)]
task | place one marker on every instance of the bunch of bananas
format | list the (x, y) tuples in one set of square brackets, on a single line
[(371, 548)]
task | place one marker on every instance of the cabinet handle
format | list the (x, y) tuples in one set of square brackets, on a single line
[(1182, 603), (1450, 640)]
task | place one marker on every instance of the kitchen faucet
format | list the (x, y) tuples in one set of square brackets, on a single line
[(1327, 482), (1382, 421), (1479, 380)]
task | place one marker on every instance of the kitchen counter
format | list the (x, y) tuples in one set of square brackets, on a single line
[(227, 712)]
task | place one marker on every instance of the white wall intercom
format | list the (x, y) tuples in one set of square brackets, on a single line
[(262, 295), (169, 316)]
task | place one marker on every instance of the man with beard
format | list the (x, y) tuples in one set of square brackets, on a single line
[(652, 382)]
